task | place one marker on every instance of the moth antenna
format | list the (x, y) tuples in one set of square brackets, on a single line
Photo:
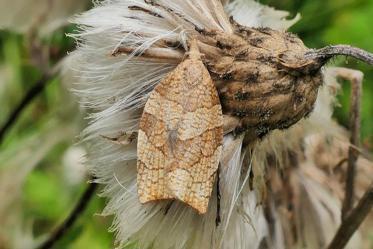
[(151, 53), (328, 52)]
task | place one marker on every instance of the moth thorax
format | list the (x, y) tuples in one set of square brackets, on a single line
[(264, 80)]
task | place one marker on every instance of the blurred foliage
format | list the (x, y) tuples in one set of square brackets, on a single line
[(47, 199)]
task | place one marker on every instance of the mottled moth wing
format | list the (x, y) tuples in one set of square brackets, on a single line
[(180, 137)]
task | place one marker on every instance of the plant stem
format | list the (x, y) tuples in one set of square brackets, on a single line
[(72, 218), (330, 51), (353, 220), (27, 99), (354, 140), (356, 79)]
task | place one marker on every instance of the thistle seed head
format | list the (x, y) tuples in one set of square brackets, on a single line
[(263, 77)]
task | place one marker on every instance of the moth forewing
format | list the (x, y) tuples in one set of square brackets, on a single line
[(180, 137)]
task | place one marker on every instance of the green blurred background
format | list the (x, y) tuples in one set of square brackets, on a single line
[(52, 122)]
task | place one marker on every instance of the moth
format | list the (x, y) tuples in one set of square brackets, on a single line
[(180, 136)]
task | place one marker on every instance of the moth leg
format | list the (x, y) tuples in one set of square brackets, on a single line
[(167, 208), (218, 197), (230, 123), (355, 78), (122, 139)]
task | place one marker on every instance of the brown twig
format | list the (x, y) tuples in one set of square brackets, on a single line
[(355, 140), (353, 220), (72, 218), (356, 78), (27, 99)]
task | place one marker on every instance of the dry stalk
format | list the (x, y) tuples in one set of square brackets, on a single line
[(356, 78), (353, 220)]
